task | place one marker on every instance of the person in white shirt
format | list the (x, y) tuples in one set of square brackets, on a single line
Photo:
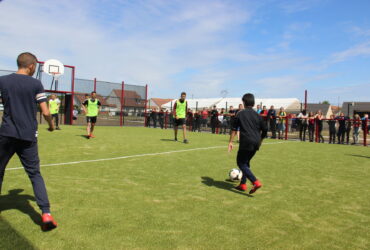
[(302, 125)]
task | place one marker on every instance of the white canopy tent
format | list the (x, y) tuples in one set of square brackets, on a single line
[(290, 104)]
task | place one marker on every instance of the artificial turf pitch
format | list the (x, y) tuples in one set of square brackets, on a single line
[(315, 196)]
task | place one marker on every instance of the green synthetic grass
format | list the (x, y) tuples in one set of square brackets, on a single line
[(315, 196)]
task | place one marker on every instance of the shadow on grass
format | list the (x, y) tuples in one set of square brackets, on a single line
[(15, 200), (11, 239), (168, 140), (84, 136), (227, 185), (362, 156)]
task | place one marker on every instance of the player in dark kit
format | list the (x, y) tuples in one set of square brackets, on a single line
[(18, 132), (252, 131)]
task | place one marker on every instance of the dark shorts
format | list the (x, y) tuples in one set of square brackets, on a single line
[(179, 122), (54, 115), (91, 119)]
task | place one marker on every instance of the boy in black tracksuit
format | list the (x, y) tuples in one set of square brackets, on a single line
[(252, 131)]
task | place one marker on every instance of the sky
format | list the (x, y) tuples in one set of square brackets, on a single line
[(208, 48)]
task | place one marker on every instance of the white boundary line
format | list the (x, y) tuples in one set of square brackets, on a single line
[(130, 156)]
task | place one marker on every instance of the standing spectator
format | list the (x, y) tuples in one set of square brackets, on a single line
[(319, 116), (204, 117), (75, 113), (232, 113), (214, 119), (148, 115), (356, 128), (365, 127), (281, 125), (197, 121), (332, 130), (271, 116), (348, 129), (342, 127), (161, 118), (240, 108), (189, 119), (263, 114), (222, 121), (311, 126), (153, 117), (258, 110), (303, 121)]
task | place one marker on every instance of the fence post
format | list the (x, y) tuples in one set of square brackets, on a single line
[(95, 84), (366, 131), (146, 103), (73, 96), (286, 127), (165, 119), (316, 130), (122, 117)]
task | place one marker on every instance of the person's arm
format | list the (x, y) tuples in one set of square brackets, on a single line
[(174, 110), (99, 105), (46, 113), (84, 107)]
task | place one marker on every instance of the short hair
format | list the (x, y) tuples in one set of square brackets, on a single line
[(93, 92), (26, 59), (248, 100), (183, 93)]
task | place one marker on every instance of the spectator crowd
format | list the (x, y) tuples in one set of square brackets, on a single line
[(309, 125)]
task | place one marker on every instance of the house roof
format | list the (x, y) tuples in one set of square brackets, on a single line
[(314, 107), (81, 98), (160, 101), (131, 98)]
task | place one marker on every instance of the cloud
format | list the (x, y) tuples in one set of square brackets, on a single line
[(293, 6), (136, 41), (362, 49)]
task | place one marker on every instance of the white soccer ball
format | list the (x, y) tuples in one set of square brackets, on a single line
[(235, 174)]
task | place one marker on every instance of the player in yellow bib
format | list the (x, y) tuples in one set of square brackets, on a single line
[(179, 114), (91, 108), (54, 105)]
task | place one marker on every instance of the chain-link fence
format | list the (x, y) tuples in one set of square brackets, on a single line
[(121, 104)]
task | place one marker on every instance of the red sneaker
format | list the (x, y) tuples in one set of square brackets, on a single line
[(256, 185), (241, 187), (48, 223), (92, 136)]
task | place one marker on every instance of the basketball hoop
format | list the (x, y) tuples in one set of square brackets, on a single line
[(55, 69)]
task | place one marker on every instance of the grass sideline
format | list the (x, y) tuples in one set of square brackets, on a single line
[(315, 196)]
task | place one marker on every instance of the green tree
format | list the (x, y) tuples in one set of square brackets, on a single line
[(326, 102)]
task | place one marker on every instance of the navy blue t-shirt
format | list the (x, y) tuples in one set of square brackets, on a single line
[(20, 95)]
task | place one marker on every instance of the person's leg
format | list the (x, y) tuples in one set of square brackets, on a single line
[(28, 155), (92, 128), (184, 132), (175, 129), (304, 132), (56, 121), (243, 161), (7, 150)]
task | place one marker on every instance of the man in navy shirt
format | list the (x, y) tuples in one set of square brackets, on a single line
[(271, 116), (20, 94), (252, 131)]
